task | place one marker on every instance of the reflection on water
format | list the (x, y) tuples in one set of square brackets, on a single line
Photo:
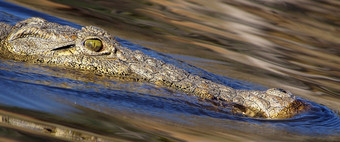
[(287, 44)]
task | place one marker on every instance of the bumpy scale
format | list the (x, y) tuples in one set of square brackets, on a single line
[(38, 41)]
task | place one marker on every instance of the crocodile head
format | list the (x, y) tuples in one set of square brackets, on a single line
[(37, 37), (39, 41)]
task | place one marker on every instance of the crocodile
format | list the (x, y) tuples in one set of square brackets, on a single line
[(90, 48)]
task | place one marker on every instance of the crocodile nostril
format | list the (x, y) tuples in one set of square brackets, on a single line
[(282, 90)]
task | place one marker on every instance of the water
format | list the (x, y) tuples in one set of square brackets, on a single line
[(291, 45)]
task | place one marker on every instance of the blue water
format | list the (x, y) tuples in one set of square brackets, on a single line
[(57, 91), (12, 13)]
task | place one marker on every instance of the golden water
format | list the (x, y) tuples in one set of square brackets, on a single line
[(294, 45)]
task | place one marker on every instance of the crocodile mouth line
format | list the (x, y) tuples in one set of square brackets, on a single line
[(64, 47)]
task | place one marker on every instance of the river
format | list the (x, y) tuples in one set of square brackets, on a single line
[(294, 45)]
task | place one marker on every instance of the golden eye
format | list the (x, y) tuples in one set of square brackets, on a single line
[(93, 44)]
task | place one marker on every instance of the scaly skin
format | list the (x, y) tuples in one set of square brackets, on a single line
[(38, 41)]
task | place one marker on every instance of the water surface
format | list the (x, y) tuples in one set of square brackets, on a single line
[(290, 45)]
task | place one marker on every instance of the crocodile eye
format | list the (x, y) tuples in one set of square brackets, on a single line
[(93, 44)]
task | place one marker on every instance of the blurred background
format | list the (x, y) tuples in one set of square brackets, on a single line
[(289, 44)]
